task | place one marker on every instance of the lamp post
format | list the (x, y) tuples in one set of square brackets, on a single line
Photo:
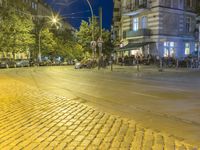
[(92, 13), (93, 42), (100, 45), (54, 21)]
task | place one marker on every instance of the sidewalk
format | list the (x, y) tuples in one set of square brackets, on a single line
[(34, 119), (147, 68)]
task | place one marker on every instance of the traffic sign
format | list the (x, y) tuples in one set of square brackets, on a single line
[(93, 44)]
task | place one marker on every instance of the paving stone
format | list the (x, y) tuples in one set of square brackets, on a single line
[(35, 119), (159, 143)]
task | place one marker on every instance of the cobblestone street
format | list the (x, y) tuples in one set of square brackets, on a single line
[(34, 119)]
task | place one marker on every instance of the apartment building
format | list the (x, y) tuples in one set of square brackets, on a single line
[(164, 28), (116, 22)]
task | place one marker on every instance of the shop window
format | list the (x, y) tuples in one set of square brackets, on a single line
[(169, 49), (187, 48)]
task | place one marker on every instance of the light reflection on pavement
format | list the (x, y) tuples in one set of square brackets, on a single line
[(159, 101)]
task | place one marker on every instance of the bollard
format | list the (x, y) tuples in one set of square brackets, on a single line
[(161, 66), (138, 67), (177, 64)]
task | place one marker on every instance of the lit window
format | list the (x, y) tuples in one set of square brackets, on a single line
[(171, 44), (187, 48), (166, 52), (196, 47), (144, 22), (33, 5), (135, 24), (169, 49)]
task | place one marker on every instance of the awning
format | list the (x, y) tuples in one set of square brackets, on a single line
[(132, 46)]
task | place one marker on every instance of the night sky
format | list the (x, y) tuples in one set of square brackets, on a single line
[(76, 10)]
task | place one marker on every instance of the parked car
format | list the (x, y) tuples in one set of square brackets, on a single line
[(22, 63), (46, 62), (78, 65), (56, 63), (7, 63), (86, 63), (64, 63)]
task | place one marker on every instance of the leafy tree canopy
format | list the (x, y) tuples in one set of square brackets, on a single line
[(84, 36)]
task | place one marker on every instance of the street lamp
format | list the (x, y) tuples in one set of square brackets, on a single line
[(54, 21), (92, 13), (93, 42)]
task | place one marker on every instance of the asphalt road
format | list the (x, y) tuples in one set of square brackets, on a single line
[(168, 102)]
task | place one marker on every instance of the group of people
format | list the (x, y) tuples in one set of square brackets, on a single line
[(135, 59)]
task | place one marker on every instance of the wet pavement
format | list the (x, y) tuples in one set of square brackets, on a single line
[(56, 108)]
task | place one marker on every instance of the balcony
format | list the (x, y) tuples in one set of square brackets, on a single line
[(140, 32), (134, 9)]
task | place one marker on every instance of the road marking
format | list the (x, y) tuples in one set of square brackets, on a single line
[(146, 95)]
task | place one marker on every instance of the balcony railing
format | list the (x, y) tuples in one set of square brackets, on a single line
[(130, 7), (140, 32)]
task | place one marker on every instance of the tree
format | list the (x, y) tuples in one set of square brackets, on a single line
[(15, 31), (66, 45), (48, 43), (84, 36)]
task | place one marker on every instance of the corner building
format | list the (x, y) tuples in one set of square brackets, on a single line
[(164, 28)]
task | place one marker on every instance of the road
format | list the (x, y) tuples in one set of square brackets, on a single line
[(167, 102)]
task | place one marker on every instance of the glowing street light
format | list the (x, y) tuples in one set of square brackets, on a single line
[(54, 21)]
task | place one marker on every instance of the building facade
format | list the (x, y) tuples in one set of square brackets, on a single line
[(164, 28)]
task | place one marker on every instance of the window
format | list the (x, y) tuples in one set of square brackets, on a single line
[(144, 22), (187, 48), (196, 47), (136, 3), (172, 3), (141, 2), (169, 49), (188, 24), (135, 24), (33, 5), (124, 3), (180, 4), (189, 3)]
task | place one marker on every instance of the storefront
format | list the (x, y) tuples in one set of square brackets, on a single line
[(134, 49)]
